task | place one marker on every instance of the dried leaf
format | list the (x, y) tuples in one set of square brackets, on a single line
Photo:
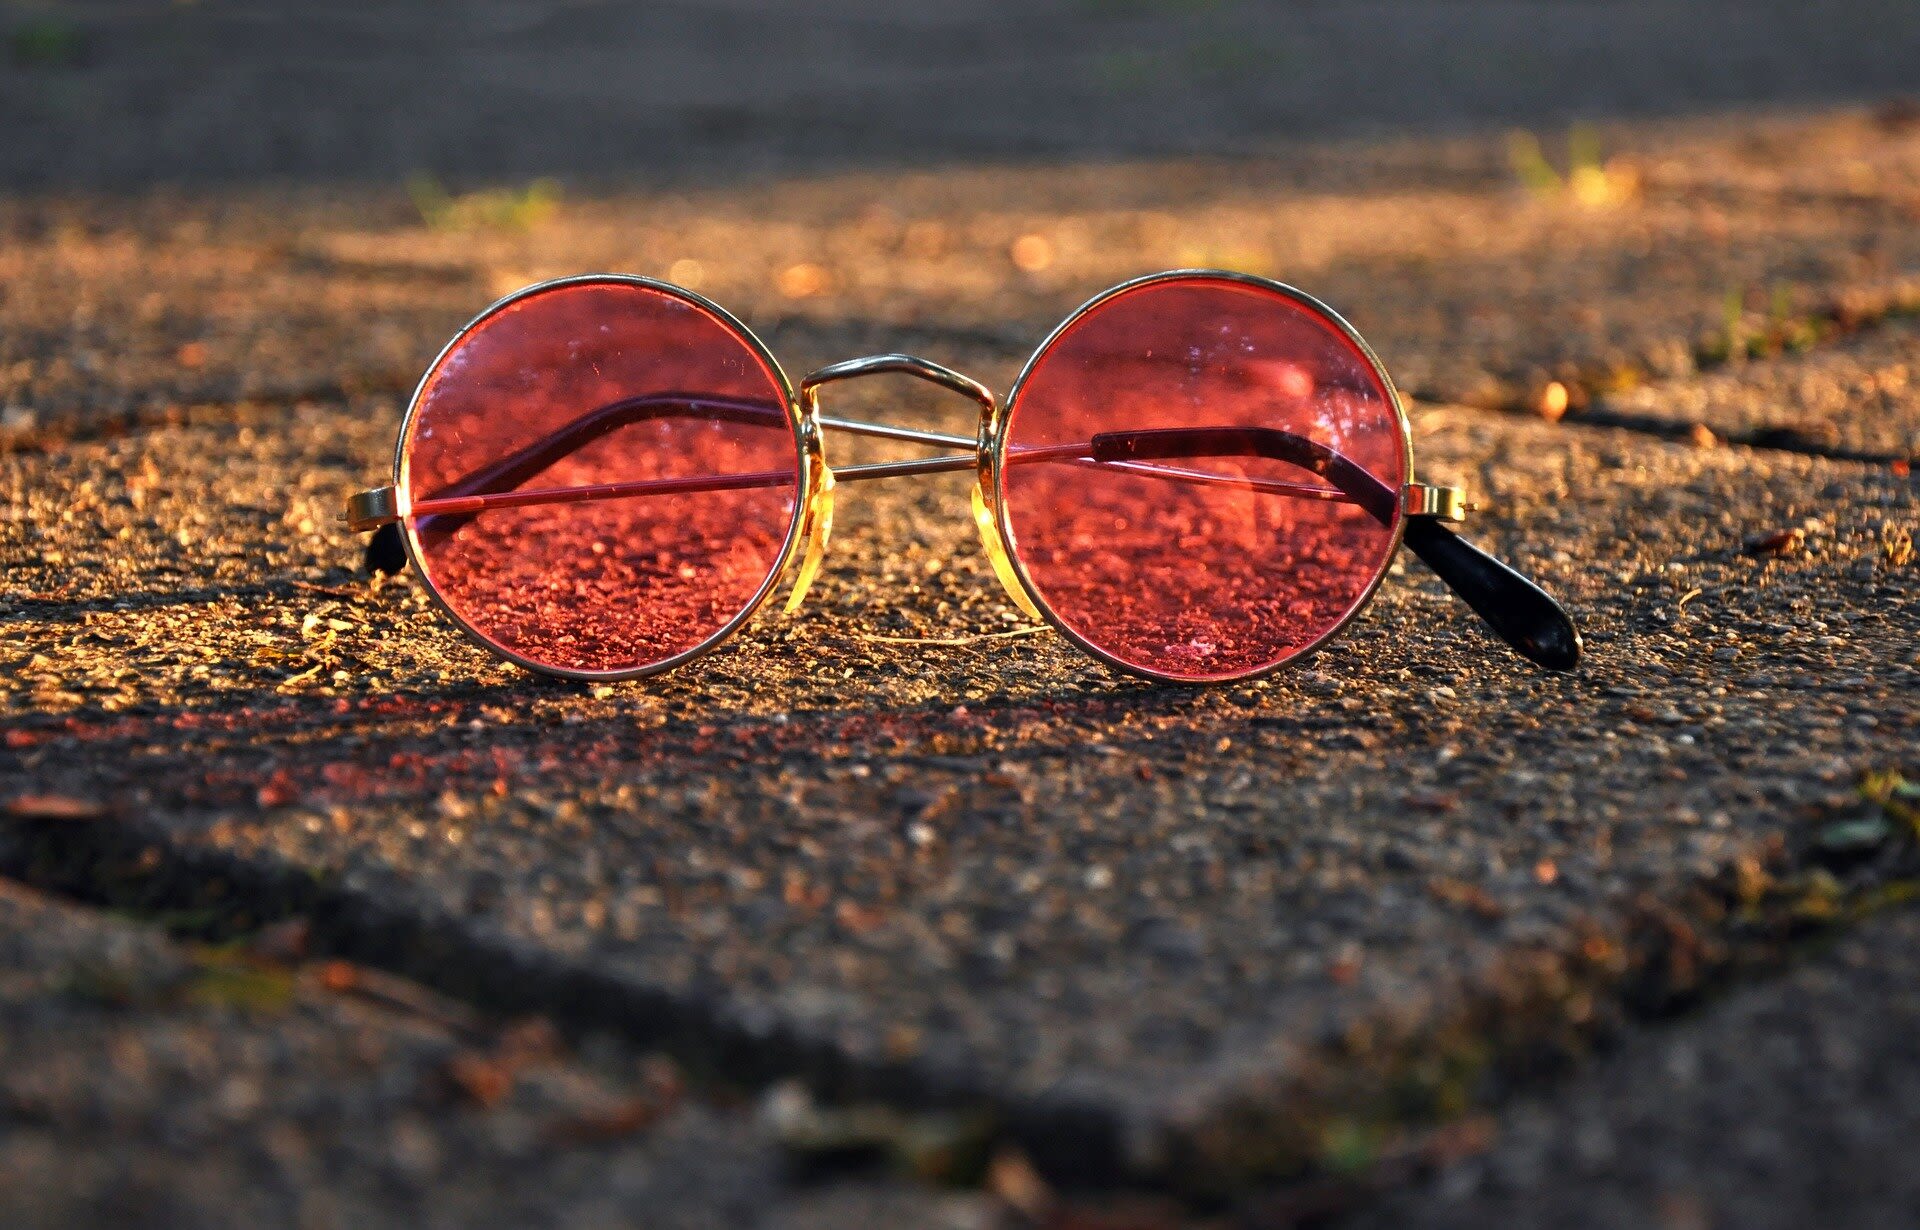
[(1860, 834), (54, 807), (1470, 897), (480, 1079), (628, 1118), (1012, 1178), (1778, 544)]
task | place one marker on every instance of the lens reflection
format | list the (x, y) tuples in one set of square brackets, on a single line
[(602, 476), (1201, 477)]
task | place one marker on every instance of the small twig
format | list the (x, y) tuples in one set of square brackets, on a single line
[(292, 681), (954, 640), (401, 995)]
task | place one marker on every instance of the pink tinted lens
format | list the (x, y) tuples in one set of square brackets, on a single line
[(1202, 477), (602, 476)]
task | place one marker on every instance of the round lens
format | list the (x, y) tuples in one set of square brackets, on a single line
[(1200, 476), (602, 476)]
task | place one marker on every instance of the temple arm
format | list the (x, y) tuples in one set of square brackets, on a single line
[(1165, 444), (517, 467), (1521, 613), (495, 484)]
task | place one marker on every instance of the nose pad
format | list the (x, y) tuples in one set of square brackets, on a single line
[(816, 530), (997, 554)]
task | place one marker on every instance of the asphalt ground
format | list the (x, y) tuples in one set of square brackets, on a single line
[(155, 1082), (1790, 1087), (1265, 953)]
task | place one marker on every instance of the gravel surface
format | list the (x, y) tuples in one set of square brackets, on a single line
[(1860, 397), (1787, 1105)]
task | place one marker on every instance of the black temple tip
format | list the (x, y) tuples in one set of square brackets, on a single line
[(386, 551), (1521, 613)]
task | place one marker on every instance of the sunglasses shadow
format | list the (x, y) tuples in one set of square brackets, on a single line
[(263, 749)]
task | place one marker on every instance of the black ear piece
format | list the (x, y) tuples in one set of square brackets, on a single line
[(386, 550), (1520, 612)]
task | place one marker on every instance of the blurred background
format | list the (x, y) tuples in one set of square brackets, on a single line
[(111, 93)]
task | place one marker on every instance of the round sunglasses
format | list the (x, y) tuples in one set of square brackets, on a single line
[(1198, 477)]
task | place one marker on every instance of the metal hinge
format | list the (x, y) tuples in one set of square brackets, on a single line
[(1441, 503), (372, 509)]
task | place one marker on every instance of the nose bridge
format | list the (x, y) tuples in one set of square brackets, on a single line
[(896, 364), (985, 515)]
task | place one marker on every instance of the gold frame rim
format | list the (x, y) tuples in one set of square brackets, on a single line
[(807, 448), (993, 440)]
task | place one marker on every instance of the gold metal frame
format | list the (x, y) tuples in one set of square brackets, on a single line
[(808, 532)]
